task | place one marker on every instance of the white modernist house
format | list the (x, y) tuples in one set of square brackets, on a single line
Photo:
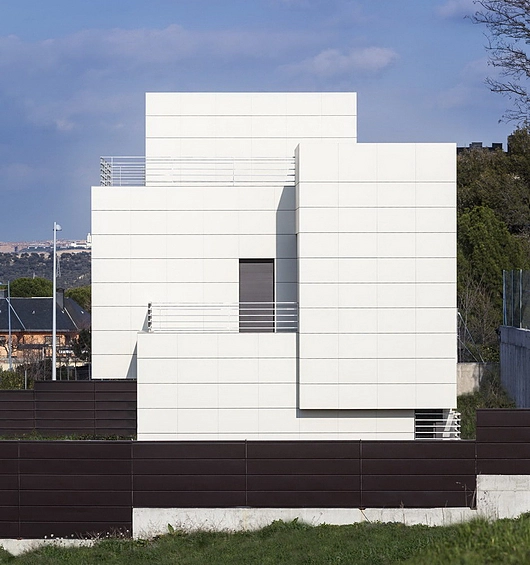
[(265, 276)]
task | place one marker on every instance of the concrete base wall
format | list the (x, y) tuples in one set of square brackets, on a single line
[(515, 364), (503, 496), (148, 522), (19, 546)]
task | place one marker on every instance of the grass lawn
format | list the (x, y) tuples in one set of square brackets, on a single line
[(477, 542)]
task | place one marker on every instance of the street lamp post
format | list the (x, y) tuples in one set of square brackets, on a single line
[(10, 338), (10, 342), (56, 228)]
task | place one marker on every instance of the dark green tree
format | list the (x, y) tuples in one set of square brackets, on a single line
[(28, 287), (485, 249), (499, 181), (82, 346), (82, 295)]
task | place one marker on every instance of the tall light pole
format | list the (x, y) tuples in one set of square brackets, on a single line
[(10, 342), (56, 228), (10, 338)]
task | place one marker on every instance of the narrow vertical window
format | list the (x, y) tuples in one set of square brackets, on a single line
[(256, 295)]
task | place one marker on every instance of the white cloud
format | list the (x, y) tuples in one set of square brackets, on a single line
[(469, 88), (456, 9), (105, 48), (60, 82), (333, 62)]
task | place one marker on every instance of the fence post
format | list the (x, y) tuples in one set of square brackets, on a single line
[(520, 298)]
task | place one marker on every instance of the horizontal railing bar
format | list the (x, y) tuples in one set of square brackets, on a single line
[(229, 317), (132, 171)]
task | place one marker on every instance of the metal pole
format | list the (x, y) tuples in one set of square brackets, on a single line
[(10, 342), (504, 317), (520, 298), (56, 228), (54, 306)]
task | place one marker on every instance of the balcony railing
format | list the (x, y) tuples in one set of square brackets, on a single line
[(165, 171), (243, 317)]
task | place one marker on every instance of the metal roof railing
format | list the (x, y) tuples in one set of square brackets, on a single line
[(188, 171)]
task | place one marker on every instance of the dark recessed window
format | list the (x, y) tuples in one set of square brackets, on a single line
[(256, 295)]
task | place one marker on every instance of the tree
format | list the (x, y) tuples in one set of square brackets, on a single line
[(82, 295), (508, 25), (485, 249), (82, 346), (26, 287), (499, 181)]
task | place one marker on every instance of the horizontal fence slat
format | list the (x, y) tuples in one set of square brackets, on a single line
[(303, 466), (418, 449), (502, 451), (418, 467), (303, 450), (186, 499), (8, 497), (188, 450), (43, 387), (119, 404), (60, 497), (506, 434), (303, 483), (110, 396), (9, 528), (500, 417), (416, 499), (10, 426), (75, 449), (74, 466), (384, 483), (7, 406), (76, 482), (17, 395), (70, 528), (307, 499), (9, 482), (188, 467), (74, 513), (190, 482)]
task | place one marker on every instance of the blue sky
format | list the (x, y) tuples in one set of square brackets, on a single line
[(73, 76)]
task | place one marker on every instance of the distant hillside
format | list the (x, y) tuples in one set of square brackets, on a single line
[(74, 267)]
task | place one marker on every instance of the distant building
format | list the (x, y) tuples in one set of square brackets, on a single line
[(475, 145), (31, 325)]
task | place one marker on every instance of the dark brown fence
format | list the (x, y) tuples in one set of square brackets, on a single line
[(58, 488), (65, 488), (503, 442), (418, 474), (303, 474), (102, 408)]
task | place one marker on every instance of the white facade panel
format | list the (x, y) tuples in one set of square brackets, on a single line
[(365, 244), (378, 191)]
